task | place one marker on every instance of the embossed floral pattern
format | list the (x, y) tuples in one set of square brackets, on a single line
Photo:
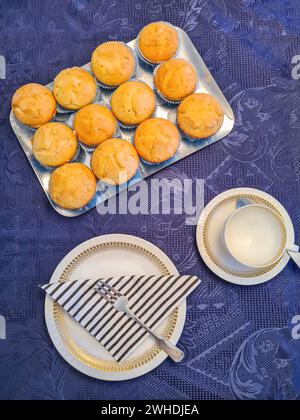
[(236, 341)]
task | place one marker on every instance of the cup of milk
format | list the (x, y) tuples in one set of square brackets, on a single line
[(256, 236)]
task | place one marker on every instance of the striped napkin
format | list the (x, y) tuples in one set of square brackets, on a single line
[(151, 298)]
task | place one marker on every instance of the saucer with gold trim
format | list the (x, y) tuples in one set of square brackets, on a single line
[(210, 237)]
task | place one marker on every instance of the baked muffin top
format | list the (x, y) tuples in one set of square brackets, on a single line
[(158, 42), (54, 144), (34, 105), (156, 140), (115, 161), (133, 102), (175, 79), (74, 88), (200, 115), (113, 63), (94, 124), (72, 186)]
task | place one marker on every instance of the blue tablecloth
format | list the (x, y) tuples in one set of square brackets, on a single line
[(237, 340)]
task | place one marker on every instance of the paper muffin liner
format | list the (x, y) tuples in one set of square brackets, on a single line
[(70, 123), (32, 129), (187, 137), (146, 162), (62, 110), (76, 156), (128, 127), (91, 204), (109, 87), (144, 59), (27, 127)]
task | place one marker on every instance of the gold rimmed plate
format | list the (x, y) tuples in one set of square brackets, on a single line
[(109, 255), (210, 237)]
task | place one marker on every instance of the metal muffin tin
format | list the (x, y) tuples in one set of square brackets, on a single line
[(144, 72)]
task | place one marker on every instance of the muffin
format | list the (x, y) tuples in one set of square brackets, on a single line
[(200, 116), (133, 102), (175, 79), (115, 161), (94, 124), (113, 63), (74, 88), (54, 144), (156, 140), (158, 42), (72, 186), (33, 105)]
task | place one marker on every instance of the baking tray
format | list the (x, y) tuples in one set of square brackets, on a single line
[(144, 72)]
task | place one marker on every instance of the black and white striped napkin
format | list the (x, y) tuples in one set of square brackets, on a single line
[(151, 298)]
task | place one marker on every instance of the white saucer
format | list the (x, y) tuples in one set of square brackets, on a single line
[(211, 244), (110, 255)]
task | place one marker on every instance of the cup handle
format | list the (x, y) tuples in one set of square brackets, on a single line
[(292, 248), (293, 251)]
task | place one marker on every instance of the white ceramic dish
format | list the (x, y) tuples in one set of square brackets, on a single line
[(256, 236), (211, 244), (110, 255)]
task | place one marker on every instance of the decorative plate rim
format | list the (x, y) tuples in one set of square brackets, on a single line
[(255, 276), (57, 321)]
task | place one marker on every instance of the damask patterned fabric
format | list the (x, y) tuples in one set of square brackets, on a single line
[(237, 340)]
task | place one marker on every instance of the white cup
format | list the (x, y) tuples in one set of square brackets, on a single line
[(256, 236)]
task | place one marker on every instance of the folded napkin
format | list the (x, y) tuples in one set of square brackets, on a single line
[(151, 298)]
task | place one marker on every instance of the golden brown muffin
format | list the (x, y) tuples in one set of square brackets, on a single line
[(34, 105), (74, 88), (115, 161), (133, 102), (158, 42), (54, 144), (94, 124), (200, 116), (156, 140), (72, 186), (113, 63), (175, 79)]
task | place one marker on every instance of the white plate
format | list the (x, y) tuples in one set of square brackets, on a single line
[(211, 244), (110, 255)]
